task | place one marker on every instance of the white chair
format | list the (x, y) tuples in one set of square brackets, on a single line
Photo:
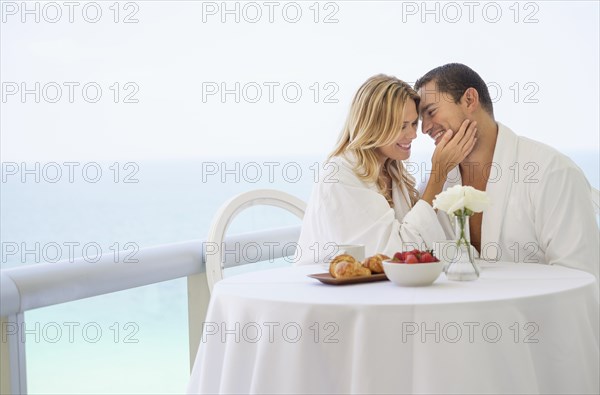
[(596, 204), (229, 210)]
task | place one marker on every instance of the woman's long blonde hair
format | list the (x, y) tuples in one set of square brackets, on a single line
[(375, 120)]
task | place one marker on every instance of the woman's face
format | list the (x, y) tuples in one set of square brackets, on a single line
[(400, 149)]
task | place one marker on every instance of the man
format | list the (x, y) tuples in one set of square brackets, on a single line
[(541, 209)]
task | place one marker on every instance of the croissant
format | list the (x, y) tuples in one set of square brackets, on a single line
[(375, 263), (345, 266), (339, 259)]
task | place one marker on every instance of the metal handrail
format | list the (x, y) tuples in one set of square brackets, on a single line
[(45, 284)]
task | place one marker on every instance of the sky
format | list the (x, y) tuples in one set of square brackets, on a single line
[(182, 80)]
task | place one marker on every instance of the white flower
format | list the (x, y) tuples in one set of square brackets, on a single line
[(476, 200), (461, 197), (447, 199)]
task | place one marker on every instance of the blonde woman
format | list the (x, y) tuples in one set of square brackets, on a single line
[(367, 197)]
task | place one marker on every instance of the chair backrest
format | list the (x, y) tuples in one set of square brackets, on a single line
[(230, 209)]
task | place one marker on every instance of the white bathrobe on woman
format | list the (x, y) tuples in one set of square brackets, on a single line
[(345, 210), (541, 209)]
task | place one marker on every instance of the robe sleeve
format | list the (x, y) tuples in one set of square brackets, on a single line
[(565, 222), (348, 212)]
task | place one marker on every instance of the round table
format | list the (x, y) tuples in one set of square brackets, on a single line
[(519, 328)]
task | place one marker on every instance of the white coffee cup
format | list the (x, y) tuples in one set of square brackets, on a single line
[(356, 250)]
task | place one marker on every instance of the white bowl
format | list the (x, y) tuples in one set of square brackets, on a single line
[(412, 274)]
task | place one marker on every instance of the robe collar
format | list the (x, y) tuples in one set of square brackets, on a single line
[(498, 189)]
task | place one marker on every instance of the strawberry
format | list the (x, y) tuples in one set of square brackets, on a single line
[(411, 258), (415, 256), (416, 253)]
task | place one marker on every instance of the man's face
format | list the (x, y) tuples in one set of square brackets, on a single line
[(439, 112)]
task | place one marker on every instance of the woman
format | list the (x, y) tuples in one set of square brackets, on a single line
[(368, 198)]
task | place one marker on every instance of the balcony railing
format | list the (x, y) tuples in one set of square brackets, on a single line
[(34, 286)]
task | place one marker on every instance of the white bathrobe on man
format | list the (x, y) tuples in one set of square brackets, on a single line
[(541, 209)]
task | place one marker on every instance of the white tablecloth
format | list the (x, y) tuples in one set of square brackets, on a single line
[(520, 328)]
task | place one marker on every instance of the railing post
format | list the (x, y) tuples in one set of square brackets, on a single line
[(198, 299), (12, 355), (4, 359)]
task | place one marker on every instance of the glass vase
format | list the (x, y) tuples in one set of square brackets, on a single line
[(462, 267)]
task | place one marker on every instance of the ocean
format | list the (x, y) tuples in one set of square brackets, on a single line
[(134, 341)]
